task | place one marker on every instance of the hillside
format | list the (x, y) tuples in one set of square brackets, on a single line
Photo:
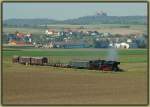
[(28, 22), (108, 20), (85, 20)]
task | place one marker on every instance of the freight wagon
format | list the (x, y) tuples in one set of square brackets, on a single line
[(25, 60), (39, 61)]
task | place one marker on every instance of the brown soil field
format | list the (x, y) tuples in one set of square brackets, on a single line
[(45, 85), (121, 31), (112, 28)]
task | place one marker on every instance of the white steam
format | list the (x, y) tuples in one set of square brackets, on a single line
[(112, 54)]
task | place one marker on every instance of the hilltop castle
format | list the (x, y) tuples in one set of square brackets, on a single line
[(101, 13)]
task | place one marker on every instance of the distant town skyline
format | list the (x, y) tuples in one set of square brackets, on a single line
[(63, 11)]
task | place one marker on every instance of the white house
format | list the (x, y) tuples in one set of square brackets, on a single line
[(48, 32), (28, 35), (105, 34), (49, 45), (30, 40), (129, 40), (52, 32), (117, 45), (111, 45), (121, 45)]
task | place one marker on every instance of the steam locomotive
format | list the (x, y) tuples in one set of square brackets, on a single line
[(96, 65)]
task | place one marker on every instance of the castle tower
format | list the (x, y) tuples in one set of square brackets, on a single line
[(101, 13)]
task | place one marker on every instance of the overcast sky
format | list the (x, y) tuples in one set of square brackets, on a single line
[(61, 11)]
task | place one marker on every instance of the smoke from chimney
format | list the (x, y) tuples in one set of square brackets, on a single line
[(112, 54)]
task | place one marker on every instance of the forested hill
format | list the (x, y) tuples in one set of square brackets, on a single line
[(79, 21), (108, 20)]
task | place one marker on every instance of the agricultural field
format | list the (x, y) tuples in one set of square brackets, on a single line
[(53, 85), (112, 28)]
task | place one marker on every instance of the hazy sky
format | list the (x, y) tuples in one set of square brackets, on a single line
[(63, 11)]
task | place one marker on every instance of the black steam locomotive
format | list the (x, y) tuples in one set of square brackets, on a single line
[(96, 65)]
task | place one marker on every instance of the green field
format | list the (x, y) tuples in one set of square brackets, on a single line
[(124, 56)]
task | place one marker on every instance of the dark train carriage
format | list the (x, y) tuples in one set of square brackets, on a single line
[(39, 60), (15, 59), (25, 60)]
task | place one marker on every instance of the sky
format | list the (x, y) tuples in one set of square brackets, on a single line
[(62, 11)]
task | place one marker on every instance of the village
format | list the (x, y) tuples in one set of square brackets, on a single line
[(72, 38), (66, 37)]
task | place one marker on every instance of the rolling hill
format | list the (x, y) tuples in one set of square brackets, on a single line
[(85, 20)]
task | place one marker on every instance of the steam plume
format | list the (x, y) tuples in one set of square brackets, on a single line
[(112, 54)]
